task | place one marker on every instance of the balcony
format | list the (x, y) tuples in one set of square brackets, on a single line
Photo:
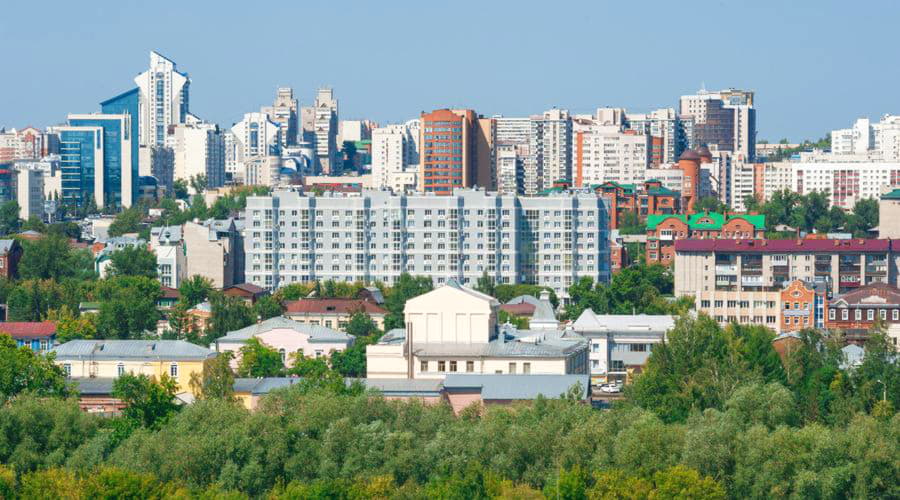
[(876, 270), (780, 269), (849, 268), (823, 268), (726, 269), (751, 271), (752, 280)]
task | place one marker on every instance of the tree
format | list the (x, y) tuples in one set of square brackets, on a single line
[(504, 293), (710, 204), (216, 381), (23, 370), (864, 217), (128, 307), (259, 360), (406, 288), (228, 314), (682, 483), (630, 223), (70, 326), (148, 403), (9, 218), (485, 284), (34, 223), (180, 187), (31, 300), (194, 290), (305, 366), (51, 257), (133, 261), (267, 307), (198, 183), (128, 220)]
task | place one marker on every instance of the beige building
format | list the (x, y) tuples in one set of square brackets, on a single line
[(889, 215), (212, 249), (454, 329), (113, 358)]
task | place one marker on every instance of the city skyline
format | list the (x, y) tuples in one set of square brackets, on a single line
[(375, 68)]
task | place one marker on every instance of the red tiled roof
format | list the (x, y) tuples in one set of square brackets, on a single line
[(28, 329), (323, 306), (170, 293), (520, 309), (784, 246)]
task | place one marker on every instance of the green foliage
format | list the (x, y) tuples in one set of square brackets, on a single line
[(637, 289), (228, 314), (259, 360), (520, 323), (216, 380), (52, 257), (630, 223), (149, 403), (70, 326), (504, 293), (31, 300), (267, 307), (128, 307), (194, 290), (133, 261), (710, 204), (23, 370), (180, 187), (129, 220), (407, 287), (485, 284), (351, 362), (9, 218), (811, 212)]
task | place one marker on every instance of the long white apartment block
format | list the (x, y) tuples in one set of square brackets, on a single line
[(375, 236)]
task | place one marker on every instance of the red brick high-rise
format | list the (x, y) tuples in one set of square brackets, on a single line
[(456, 151)]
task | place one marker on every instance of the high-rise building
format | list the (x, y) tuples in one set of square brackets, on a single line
[(389, 146), (457, 151), (354, 131), (511, 165), (879, 140), (725, 119), (128, 103), (101, 169), (30, 193), (28, 143), (326, 128), (255, 136), (284, 113), (606, 153), (198, 150), (164, 99), (550, 240), (510, 170), (667, 134), (551, 150)]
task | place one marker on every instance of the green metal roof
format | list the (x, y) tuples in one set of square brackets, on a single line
[(716, 220), (893, 195), (663, 191)]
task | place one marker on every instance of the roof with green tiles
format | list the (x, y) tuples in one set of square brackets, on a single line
[(892, 195), (628, 188), (716, 220), (663, 191)]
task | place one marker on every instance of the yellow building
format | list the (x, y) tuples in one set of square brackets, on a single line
[(112, 358)]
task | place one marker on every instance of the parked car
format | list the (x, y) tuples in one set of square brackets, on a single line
[(613, 388)]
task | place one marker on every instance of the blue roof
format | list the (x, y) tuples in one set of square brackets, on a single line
[(123, 94)]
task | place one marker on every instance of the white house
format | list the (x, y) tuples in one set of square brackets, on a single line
[(287, 337)]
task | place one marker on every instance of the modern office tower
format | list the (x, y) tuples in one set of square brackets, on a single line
[(606, 153), (510, 170), (326, 128), (128, 103), (284, 113), (262, 171), (81, 156), (666, 131), (725, 119), (375, 236), (551, 150), (30, 193), (198, 149), (255, 136), (164, 99), (162, 166), (110, 185)]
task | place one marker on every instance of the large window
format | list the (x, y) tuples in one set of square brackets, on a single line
[(173, 370)]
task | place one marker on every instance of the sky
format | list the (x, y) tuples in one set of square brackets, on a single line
[(815, 66)]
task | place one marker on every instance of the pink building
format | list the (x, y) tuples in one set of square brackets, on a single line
[(288, 337)]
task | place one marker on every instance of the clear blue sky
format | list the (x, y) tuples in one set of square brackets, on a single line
[(814, 65)]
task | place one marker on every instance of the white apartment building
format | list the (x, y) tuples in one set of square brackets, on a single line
[(671, 178), (198, 149), (325, 128), (513, 137), (25, 144), (354, 130), (51, 177), (846, 182), (262, 171), (881, 140), (255, 136), (389, 153), (665, 124), (376, 236), (284, 113), (605, 153), (453, 329), (510, 170), (550, 150), (742, 182), (171, 255), (164, 99), (30, 193)]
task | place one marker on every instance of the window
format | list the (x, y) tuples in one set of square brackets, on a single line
[(442, 366), (895, 314), (831, 314), (883, 314), (120, 369), (423, 366), (453, 366), (470, 365), (67, 369), (512, 368), (617, 365), (844, 314), (526, 368), (173, 370), (638, 347), (870, 314), (283, 355), (857, 314)]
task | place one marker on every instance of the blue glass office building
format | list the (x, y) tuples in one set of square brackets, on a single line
[(76, 163), (128, 103), (115, 136)]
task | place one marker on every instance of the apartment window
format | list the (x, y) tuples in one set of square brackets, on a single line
[(883, 314), (173, 370), (870, 314), (67, 369), (120, 369), (442, 366), (638, 347), (470, 365), (617, 365), (512, 368), (895, 314), (831, 314), (844, 314), (423, 366), (453, 366)]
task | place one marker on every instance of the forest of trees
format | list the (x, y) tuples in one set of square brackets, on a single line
[(715, 415)]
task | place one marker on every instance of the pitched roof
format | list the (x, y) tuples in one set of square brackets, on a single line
[(94, 386), (248, 287), (781, 246), (520, 309), (316, 333), (28, 329), (332, 306), (511, 343), (170, 293), (589, 322), (707, 220), (132, 349), (517, 387), (871, 295), (6, 245), (263, 385), (891, 195), (542, 310)]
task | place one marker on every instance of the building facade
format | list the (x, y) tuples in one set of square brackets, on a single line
[(664, 230), (326, 129), (551, 241), (164, 99)]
